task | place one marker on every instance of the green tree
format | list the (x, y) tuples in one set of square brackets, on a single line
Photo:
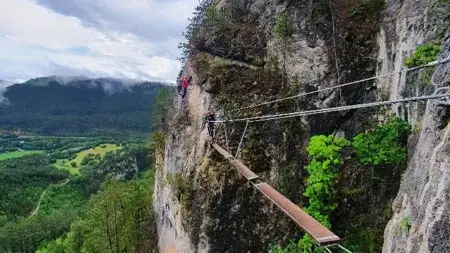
[(324, 152), (160, 109), (283, 31), (192, 30), (120, 219), (383, 145)]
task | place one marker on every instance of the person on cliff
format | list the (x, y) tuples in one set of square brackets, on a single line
[(210, 117), (186, 82)]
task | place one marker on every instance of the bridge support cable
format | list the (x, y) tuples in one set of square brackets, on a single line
[(444, 93), (242, 139), (444, 100), (344, 249), (322, 235), (327, 249), (226, 135), (431, 64)]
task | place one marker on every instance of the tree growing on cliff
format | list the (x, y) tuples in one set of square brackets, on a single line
[(192, 30), (160, 109), (283, 31)]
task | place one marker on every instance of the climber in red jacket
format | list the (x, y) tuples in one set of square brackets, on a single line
[(186, 82)]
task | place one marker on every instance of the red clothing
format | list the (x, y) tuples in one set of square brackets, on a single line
[(185, 83)]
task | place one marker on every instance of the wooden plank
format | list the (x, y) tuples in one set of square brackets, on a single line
[(246, 172), (317, 231), (222, 151)]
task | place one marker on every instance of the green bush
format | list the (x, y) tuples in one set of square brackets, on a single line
[(424, 54), (157, 142), (183, 185), (290, 248), (384, 145), (364, 239), (405, 224)]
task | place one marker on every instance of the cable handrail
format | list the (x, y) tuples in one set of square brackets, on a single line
[(430, 64), (332, 109)]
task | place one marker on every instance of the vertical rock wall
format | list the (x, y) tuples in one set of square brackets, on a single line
[(421, 221)]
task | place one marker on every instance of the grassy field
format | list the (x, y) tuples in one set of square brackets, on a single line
[(17, 154), (101, 150)]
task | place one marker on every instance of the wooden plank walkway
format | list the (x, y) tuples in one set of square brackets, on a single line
[(322, 235), (246, 172)]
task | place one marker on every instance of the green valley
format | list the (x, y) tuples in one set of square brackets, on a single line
[(58, 191), (17, 154), (74, 165)]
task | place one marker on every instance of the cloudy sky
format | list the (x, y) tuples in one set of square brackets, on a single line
[(134, 39)]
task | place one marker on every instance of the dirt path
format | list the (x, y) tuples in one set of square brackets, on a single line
[(42, 197)]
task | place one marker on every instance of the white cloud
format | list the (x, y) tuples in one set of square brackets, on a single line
[(91, 37), (30, 23)]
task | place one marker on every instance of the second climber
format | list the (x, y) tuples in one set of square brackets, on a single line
[(210, 117)]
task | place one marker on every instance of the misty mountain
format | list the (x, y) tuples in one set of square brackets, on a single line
[(4, 84), (78, 106)]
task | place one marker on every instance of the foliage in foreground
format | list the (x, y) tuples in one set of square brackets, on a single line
[(160, 109), (119, 219), (324, 152), (26, 234), (193, 29)]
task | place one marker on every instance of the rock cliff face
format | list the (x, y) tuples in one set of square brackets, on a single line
[(421, 220), (405, 25), (203, 205), (422, 202)]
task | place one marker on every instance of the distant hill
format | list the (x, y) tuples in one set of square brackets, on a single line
[(78, 106)]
